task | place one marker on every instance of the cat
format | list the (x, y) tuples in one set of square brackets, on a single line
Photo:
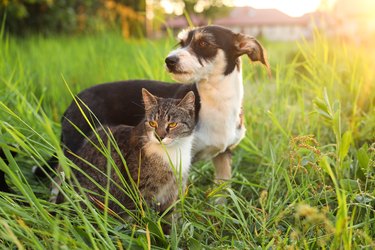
[(165, 136)]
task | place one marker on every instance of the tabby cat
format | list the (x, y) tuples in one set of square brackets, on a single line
[(157, 153)]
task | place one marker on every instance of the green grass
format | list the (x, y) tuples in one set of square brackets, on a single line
[(303, 178)]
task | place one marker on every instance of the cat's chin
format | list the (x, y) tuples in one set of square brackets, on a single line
[(167, 141)]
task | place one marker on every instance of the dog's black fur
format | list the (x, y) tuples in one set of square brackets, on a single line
[(3, 185)]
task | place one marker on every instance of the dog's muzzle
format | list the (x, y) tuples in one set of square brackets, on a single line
[(171, 62)]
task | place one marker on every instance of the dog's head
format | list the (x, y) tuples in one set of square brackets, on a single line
[(211, 50)]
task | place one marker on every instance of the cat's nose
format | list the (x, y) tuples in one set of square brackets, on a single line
[(160, 135)]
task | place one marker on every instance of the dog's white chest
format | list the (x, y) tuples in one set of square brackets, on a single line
[(220, 123), (216, 131)]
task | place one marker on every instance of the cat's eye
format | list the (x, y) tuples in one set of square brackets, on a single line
[(153, 124), (172, 125)]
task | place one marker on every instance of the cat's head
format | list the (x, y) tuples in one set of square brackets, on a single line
[(167, 120)]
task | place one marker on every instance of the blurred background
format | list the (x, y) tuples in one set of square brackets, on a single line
[(310, 124), (274, 20)]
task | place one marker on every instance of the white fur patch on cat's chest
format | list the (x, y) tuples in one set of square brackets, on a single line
[(179, 154)]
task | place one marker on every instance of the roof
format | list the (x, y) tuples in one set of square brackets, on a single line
[(244, 16), (250, 16), (180, 22)]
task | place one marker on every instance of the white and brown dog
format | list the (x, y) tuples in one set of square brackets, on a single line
[(208, 63)]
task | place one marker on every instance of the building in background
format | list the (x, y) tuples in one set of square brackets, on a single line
[(178, 23), (271, 24), (345, 21)]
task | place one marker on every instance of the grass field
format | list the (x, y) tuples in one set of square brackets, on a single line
[(303, 178)]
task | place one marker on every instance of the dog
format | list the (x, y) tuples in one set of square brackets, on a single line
[(3, 185), (208, 63)]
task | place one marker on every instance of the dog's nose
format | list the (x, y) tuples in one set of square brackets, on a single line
[(171, 61)]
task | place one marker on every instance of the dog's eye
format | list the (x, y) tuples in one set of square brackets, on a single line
[(203, 43), (153, 124), (182, 43), (172, 125)]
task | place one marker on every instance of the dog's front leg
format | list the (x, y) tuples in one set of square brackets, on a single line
[(223, 166)]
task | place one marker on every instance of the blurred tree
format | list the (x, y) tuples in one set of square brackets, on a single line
[(76, 16), (45, 16), (50, 16), (129, 14), (210, 9)]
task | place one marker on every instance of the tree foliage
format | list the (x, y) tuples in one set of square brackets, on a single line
[(77, 16), (210, 9), (49, 16)]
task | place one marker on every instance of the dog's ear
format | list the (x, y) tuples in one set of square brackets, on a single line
[(149, 99), (249, 45)]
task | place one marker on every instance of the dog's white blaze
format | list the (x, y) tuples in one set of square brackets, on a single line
[(183, 34), (178, 152), (219, 116)]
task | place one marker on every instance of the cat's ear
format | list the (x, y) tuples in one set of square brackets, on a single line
[(188, 102), (149, 99)]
